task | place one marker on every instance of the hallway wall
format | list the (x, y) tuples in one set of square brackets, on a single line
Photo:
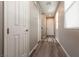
[(35, 25), (43, 26), (68, 38), (39, 25), (1, 28)]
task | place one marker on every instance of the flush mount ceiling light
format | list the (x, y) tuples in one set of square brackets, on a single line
[(50, 10), (48, 7), (48, 3)]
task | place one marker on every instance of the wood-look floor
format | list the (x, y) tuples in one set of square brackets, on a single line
[(48, 47)]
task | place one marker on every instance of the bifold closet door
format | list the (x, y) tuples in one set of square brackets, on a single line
[(16, 28)]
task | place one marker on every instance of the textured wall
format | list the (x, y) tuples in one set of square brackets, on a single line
[(1, 28), (43, 26), (68, 38), (34, 25)]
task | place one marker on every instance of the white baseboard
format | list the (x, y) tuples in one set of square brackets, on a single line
[(24, 55), (33, 49), (63, 49)]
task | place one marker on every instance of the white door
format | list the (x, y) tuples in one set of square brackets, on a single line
[(50, 26), (16, 28)]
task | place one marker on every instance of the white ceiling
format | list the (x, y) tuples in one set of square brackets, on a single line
[(48, 7)]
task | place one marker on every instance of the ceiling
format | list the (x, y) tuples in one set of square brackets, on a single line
[(48, 7), (68, 4)]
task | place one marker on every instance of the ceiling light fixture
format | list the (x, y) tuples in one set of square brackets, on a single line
[(48, 3)]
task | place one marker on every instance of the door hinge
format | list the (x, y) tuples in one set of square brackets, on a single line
[(7, 30)]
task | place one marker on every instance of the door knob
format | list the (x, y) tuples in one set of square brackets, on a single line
[(7, 30), (26, 30)]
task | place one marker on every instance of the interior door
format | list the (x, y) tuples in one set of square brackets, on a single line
[(16, 28), (50, 26)]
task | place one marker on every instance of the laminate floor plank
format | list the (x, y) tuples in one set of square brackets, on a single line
[(48, 47)]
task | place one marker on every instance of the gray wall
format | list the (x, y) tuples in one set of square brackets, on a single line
[(68, 38), (34, 32), (1, 28), (43, 26)]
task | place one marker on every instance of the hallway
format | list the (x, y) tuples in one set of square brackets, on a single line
[(26, 27), (39, 29), (48, 47)]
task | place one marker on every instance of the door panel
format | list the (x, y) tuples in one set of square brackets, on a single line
[(50, 26), (17, 20)]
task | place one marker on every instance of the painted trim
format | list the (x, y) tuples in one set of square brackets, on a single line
[(3, 30), (57, 7), (24, 55), (63, 49), (33, 49), (27, 55), (37, 45)]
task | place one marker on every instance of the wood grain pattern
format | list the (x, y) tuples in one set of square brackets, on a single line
[(48, 47)]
